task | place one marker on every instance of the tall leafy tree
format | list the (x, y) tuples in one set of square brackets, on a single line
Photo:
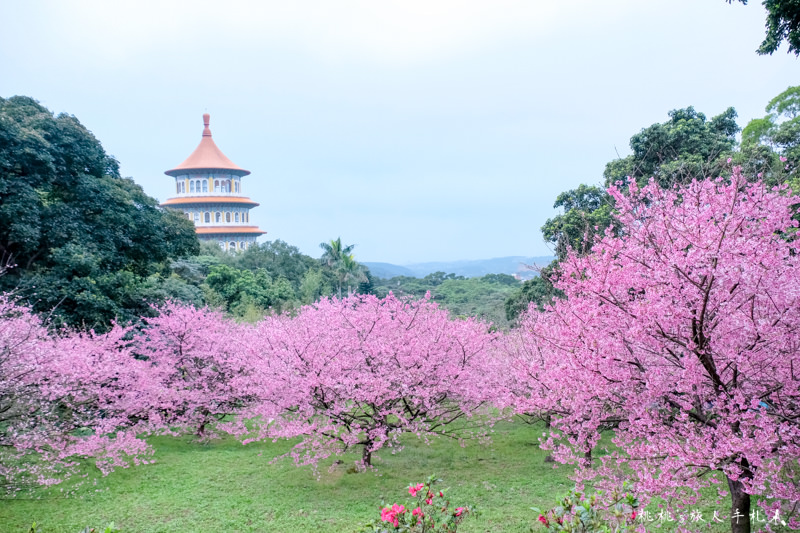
[(773, 142), (279, 259), (334, 251), (587, 213), (685, 147), (85, 241), (339, 260), (783, 24)]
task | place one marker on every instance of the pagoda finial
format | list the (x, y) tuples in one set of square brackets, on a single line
[(206, 120)]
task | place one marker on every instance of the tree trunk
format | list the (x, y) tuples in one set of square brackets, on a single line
[(201, 430), (366, 455), (548, 420), (740, 507), (587, 458)]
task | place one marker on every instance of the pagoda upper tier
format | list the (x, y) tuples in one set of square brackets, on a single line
[(207, 156), (209, 192)]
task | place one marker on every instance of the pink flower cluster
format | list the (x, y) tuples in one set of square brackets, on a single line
[(389, 514), (416, 488)]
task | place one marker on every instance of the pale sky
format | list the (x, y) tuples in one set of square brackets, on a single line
[(417, 130)]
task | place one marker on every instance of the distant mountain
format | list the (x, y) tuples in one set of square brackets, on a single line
[(388, 270), (468, 269)]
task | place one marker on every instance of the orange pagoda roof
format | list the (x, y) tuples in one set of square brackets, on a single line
[(207, 156), (241, 200), (214, 230)]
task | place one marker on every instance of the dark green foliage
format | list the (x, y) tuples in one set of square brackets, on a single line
[(248, 293), (783, 23), (685, 147), (771, 145), (539, 291), (271, 277), (279, 259), (87, 244), (587, 213)]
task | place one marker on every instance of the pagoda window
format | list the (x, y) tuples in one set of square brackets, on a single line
[(222, 244), (247, 217), (207, 218), (183, 186), (205, 186), (191, 186), (235, 186), (228, 186), (241, 245), (227, 217), (188, 215), (217, 217), (236, 217), (178, 187), (196, 218), (232, 245), (216, 185)]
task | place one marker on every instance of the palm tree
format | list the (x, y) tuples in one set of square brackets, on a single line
[(340, 260), (350, 271), (334, 251)]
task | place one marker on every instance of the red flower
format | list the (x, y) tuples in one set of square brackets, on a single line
[(544, 521)]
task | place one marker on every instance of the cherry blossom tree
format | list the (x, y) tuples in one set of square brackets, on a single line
[(361, 371), (683, 333), (198, 357), (66, 395)]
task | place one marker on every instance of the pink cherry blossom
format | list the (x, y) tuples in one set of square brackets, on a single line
[(681, 332), (361, 371)]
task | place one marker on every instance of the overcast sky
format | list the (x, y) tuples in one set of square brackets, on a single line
[(417, 130)]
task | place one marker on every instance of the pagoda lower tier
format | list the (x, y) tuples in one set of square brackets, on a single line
[(220, 219)]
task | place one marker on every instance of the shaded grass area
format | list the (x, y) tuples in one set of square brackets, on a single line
[(225, 486)]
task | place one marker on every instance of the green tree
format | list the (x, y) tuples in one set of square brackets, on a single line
[(783, 23), (587, 213), (539, 291), (333, 252), (776, 138), (88, 245), (246, 293), (481, 297), (312, 286), (351, 274), (685, 147), (279, 259), (339, 260)]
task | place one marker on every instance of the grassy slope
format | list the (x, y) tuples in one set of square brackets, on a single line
[(225, 487)]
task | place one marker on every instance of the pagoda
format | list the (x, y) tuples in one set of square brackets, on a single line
[(208, 189)]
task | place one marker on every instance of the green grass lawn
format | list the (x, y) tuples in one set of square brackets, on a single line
[(227, 487)]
